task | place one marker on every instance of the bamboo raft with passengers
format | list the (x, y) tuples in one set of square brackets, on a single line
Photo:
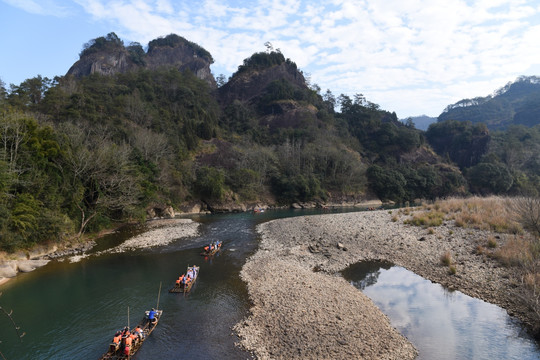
[(184, 283), (127, 342), (212, 249)]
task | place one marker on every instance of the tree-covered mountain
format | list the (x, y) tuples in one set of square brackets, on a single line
[(87, 149), (517, 103)]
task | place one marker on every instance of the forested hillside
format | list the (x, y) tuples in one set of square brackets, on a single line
[(517, 103), (82, 151)]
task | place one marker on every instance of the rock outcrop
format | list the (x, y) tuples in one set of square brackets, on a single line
[(249, 85), (108, 56)]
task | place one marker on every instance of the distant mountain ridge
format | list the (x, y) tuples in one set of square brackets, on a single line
[(421, 122), (516, 103)]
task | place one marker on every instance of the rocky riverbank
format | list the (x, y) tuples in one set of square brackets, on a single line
[(160, 232), (303, 308)]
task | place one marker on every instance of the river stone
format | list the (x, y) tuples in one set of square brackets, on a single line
[(8, 269), (168, 212), (39, 252), (31, 265)]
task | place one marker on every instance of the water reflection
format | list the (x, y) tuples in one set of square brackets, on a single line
[(441, 324)]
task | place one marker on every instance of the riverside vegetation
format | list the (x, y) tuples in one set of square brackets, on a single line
[(318, 311), (127, 131), (513, 240)]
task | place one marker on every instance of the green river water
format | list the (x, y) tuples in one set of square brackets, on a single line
[(71, 310)]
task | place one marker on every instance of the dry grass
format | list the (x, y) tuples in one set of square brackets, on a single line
[(516, 252), (446, 259), (490, 213), (492, 242), (426, 219), (479, 250), (532, 281), (500, 215)]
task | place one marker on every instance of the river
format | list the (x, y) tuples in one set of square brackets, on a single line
[(71, 310)]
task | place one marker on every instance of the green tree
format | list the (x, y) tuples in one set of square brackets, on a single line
[(462, 141), (489, 178), (209, 183), (388, 184)]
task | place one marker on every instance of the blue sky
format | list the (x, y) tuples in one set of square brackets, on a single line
[(409, 56)]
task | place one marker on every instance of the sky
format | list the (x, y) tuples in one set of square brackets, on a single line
[(409, 56)]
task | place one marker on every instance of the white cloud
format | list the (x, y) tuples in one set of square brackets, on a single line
[(44, 7), (411, 56)]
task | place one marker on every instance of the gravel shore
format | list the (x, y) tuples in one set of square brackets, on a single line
[(303, 309), (161, 232)]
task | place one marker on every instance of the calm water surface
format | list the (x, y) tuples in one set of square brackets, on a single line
[(441, 324), (71, 310)]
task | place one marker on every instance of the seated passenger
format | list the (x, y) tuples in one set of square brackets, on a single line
[(139, 331), (128, 342)]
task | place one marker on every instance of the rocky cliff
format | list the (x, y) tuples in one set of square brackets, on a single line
[(246, 86), (108, 56)]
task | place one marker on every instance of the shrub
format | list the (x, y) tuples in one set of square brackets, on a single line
[(479, 250), (427, 219), (446, 259), (491, 243), (527, 212), (514, 252)]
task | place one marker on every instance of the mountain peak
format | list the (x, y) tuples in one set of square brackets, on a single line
[(107, 55)]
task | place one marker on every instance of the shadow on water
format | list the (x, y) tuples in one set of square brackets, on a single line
[(441, 324)]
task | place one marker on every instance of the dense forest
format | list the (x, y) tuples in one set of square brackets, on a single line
[(516, 103), (81, 152)]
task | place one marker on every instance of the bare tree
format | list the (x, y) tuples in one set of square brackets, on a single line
[(527, 209), (103, 175), (12, 132), (153, 146), (17, 328)]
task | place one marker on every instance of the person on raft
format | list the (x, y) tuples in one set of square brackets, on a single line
[(139, 331), (180, 280), (152, 316), (117, 339)]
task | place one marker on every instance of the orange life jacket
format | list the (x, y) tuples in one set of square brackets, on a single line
[(129, 340), (117, 339), (206, 248)]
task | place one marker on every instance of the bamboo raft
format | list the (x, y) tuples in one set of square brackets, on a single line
[(212, 252), (187, 287), (117, 352)]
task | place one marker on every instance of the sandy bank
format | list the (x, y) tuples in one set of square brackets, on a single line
[(161, 232), (302, 308)]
